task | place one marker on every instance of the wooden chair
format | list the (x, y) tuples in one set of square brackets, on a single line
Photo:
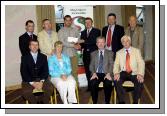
[(126, 84)]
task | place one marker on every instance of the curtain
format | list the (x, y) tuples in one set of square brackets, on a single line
[(99, 16), (45, 12)]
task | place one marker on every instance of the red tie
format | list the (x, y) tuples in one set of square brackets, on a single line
[(109, 37), (128, 68)]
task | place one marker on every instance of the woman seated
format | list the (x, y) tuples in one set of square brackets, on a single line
[(60, 71)]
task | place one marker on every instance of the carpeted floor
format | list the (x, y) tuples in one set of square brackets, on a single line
[(148, 95)]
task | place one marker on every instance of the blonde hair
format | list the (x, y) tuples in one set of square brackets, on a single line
[(125, 36), (57, 43)]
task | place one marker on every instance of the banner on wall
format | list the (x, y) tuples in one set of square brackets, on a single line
[(79, 13)]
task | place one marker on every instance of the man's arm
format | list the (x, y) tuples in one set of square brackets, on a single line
[(92, 64), (24, 70), (140, 63), (45, 71)]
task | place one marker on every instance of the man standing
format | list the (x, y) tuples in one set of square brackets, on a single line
[(47, 37), (68, 47), (128, 66), (26, 38), (113, 34), (136, 33), (34, 72), (101, 67), (89, 36)]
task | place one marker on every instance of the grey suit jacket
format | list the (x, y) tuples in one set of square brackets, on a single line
[(107, 62)]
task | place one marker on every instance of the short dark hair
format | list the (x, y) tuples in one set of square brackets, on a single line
[(100, 37), (29, 21), (67, 16), (88, 18), (112, 14), (33, 40), (45, 20)]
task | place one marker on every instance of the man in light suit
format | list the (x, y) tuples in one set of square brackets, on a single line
[(101, 66), (47, 37), (128, 66), (136, 33)]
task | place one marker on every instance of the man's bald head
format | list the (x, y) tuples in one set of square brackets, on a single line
[(132, 21)]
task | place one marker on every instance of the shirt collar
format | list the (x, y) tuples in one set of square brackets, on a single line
[(101, 50), (129, 49), (34, 54), (89, 29), (29, 33)]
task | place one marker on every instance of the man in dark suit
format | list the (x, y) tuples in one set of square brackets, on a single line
[(26, 38), (89, 36), (113, 34), (101, 67), (34, 72)]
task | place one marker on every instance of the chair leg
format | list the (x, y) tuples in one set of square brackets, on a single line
[(139, 101), (115, 96), (55, 95), (77, 94), (51, 99), (27, 102)]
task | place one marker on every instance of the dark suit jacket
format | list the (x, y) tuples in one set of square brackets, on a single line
[(107, 63), (90, 42), (31, 71), (24, 43), (116, 38)]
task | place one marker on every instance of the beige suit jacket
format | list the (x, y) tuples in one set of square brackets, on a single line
[(46, 43), (136, 61)]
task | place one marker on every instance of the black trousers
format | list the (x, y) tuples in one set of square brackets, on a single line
[(124, 76), (86, 61), (94, 86)]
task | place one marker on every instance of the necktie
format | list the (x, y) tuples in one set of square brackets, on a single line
[(100, 68), (35, 58), (30, 37), (128, 68), (109, 37), (88, 33)]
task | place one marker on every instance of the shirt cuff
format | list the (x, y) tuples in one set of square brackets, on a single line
[(31, 83), (42, 80)]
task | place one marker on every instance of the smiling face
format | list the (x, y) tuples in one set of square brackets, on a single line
[(100, 43), (47, 25), (132, 21), (111, 20), (68, 21), (30, 27), (34, 46), (88, 24), (59, 48), (126, 42)]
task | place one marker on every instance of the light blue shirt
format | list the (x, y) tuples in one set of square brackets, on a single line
[(34, 55), (54, 66)]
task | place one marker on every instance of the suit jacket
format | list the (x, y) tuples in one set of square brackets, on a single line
[(136, 61), (24, 43), (137, 38), (31, 71), (90, 41), (107, 63), (54, 66), (116, 37), (46, 43)]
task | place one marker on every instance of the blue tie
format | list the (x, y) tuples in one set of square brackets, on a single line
[(100, 68), (35, 58)]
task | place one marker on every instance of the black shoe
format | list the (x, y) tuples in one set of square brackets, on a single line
[(74, 103), (135, 102)]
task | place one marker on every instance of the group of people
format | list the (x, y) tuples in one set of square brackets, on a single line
[(49, 60)]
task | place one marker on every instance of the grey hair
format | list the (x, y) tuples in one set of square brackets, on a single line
[(126, 36)]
